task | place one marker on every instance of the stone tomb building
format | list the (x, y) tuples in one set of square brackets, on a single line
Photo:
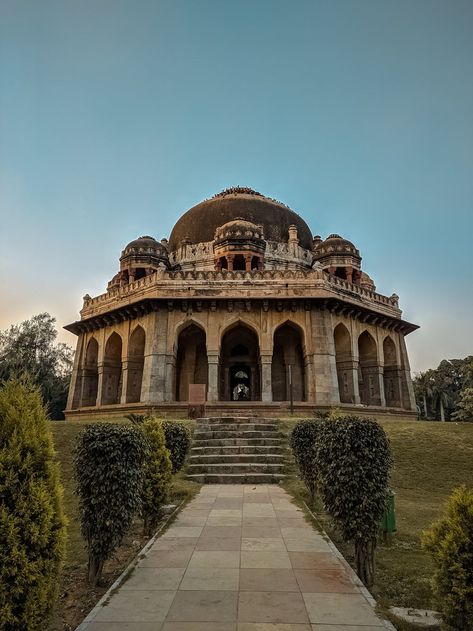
[(243, 299)]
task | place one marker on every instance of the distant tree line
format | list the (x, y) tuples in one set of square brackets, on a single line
[(446, 392), (31, 348)]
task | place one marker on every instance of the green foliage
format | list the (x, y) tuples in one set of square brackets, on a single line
[(464, 406), (109, 472), (178, 440), (450, 543), (157, 475), (31, 348), (137, 419), (304, 442), (32, 525)]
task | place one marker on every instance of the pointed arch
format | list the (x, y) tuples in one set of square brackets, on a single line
[(368, 371), (112, 370), (191, 358), (392, 373), (239, 322), (345, 363), (288, 363), (135, 364), (239, 366), (90, 374)]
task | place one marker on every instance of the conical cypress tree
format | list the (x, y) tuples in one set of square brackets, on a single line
[(32, 525)]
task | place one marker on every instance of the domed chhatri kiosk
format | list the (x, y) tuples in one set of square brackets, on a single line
[(244, 300)]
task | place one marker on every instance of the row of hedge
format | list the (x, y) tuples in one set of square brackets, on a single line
[(121, 471)]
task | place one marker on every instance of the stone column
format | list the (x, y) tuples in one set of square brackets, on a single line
[(326, 382), (154, 367), (266, 380), (125, 376), (212, 380), (169, 383), (407, 389), (100, 383)]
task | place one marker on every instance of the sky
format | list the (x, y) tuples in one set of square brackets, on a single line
[(116, 116)]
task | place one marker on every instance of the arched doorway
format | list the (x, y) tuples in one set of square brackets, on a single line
[(288, 361), (345, 364), (191, 360), (368, 371), (392, 374), (239, 365), (90, 375), (112, 370), (135, 363)]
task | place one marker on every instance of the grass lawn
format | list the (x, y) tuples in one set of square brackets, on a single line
[(76, 596), (430, 460)]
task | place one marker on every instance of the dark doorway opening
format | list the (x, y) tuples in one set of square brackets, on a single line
[(240, 382), (239, 365)]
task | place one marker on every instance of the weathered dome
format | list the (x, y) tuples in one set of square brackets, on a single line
[(239, 228), (334, 244), (200, 222), (145, 245)]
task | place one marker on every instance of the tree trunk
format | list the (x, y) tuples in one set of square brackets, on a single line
[(442, 411), (95, 568), (364, 553), (425, 406)]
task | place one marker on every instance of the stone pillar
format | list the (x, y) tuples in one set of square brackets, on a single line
[(100, 372), (212, 387), (230, 262), (248, 262), (170, 382), (349, 272), (125, 376), (326, 383), (407, 389), (154, 367), (266, 379)]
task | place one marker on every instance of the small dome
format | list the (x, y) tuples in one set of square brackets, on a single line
[(145, 245), (239, 228), (334, 244)]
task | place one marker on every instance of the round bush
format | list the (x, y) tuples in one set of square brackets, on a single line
[(157, 475), (109, 473), (304, 442), (178, 440), (32, 525)]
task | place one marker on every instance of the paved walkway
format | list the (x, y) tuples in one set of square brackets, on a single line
[(239, 558)]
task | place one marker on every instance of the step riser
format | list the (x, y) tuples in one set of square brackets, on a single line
[(224, 442), (247, 427), (240, 449), (237, 420), (198, 435), (253, 478), (235, 458), (250, 467)]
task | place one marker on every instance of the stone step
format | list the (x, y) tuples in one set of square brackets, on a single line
[(236, 478), (239, 449), (221, 442), (239, 420), (234, 427), (247, 467), (238, 458), (204, 435)]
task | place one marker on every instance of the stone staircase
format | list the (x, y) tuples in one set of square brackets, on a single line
[(236, 450)]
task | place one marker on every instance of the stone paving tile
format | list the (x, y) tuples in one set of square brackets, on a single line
[(324, 581), (344, 627), (348, 609), (258, 510), (271, 607), (269, 626), (219, 543), (259, 521), (167, 558), (262, 531), (211, 558), (183, 531), (174, 543), (154, 578), (204, 578), (268, 580), (136, 606), (264, 559), (314, 560), (199, 626), (221, 531), (262, 543), (310, 544), (204, 606)]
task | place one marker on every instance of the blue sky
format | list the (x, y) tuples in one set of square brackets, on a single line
[(116, 116)]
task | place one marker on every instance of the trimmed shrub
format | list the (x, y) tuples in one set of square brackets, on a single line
[(32, 525), (450, 543), (157, 475), (354, 460), (304, 441), (464, 406), (109, 472), (178, 440)]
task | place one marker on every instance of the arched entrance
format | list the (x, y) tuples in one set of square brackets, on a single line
[(392, 374), (288, 361), (90, 375), (345, 364), (239, 365), (112, 370), (368, 372), (135, 363), (191, 360)]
